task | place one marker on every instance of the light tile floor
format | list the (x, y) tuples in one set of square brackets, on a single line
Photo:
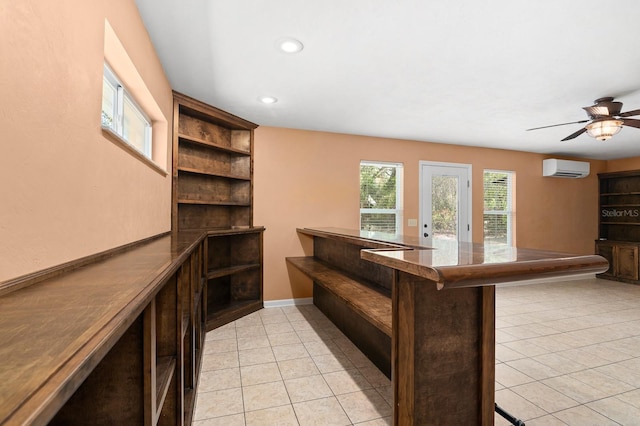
[(569, 353), (288, 366), (566, 353)]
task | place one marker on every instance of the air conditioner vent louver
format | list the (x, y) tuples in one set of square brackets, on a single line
[(565, 168)]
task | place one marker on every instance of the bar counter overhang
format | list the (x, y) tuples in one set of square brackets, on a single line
[(443, 317)]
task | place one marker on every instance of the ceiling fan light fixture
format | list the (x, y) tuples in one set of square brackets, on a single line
[(604, 129)]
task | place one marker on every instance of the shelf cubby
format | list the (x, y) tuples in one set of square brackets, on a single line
[(213, 161), (213, 189), (185, 139), (212, 216), (234, 274)]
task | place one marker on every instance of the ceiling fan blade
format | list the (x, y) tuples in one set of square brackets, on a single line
[(631, 123), (575, 135), (630, 113), (556, 125)]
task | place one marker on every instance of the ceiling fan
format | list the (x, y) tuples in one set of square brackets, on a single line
[(605, 120)]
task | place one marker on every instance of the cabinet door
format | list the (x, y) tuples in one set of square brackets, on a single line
[(627, 262), (606, 250)]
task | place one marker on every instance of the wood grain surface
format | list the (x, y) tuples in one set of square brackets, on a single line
[(442, 342), (56, 332)]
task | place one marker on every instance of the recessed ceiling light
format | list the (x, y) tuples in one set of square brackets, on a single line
[(289, 45), (268, 99)]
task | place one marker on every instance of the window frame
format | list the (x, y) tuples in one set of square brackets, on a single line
[(398, 211), (509, 212), (122, 96)]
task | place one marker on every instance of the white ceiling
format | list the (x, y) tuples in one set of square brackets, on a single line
[(463, 72)]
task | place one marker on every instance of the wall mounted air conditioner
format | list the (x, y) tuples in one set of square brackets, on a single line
[(565, 168)]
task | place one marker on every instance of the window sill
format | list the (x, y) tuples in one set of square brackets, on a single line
[(116, 139)]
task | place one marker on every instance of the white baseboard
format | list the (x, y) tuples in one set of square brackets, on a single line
[(288, 302)]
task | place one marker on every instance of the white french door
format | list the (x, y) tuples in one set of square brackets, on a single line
[(445, 203)]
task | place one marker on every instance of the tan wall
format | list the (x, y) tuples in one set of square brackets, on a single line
[(66, 191), (623, 164), (305, 179)]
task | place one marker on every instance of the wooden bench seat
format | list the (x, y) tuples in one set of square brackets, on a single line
[(360, 309), (368, 301)]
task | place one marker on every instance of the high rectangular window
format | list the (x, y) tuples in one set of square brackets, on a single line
[(498, 207), (381, 197), (122, 116)]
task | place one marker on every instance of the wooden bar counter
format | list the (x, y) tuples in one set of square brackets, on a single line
[(442, 309)]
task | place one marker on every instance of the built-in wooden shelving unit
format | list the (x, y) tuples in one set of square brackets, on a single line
[(619, 225), (213, 191), (116, 341)]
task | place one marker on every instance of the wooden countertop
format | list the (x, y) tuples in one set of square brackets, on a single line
[(367, 238), (55, 332), (452, 264)]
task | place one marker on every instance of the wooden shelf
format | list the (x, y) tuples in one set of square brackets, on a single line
[(192, 139), (213, 203), (217, 174), (605, 194), (236, 230), (217, 273), (165, 368), (231, 312)]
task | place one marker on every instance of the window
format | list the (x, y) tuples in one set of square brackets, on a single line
[(381, 197), (122, 116), (498, 207)]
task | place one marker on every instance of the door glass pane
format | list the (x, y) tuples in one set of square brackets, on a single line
[(444, 202), (444, 218)]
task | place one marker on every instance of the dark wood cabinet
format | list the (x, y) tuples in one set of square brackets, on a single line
[(121, 342), (627, 261), (622, 258), (619, 224), (213, 191)]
